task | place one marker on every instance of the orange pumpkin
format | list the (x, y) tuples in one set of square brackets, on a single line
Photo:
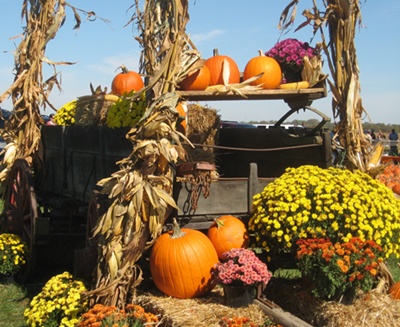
[(390, 176), (181, 108), (181, 262), (126, 82), (218, 65), (394, 291), (226, 233), (198, 80), (272, 76), (396, 188)]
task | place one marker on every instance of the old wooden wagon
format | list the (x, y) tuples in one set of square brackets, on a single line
[(57, 194)]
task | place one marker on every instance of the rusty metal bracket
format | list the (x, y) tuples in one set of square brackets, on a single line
[(198, 176)]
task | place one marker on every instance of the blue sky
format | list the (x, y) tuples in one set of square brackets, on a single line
[(236, 29)]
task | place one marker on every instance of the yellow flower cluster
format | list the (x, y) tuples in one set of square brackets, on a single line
[(13, 254), (60, 303), (311, 202), (65, 116), (126, 112)]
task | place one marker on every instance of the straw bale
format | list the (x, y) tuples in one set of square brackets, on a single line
[(206, 311), (373, 309), (202, 129), (92, 111)]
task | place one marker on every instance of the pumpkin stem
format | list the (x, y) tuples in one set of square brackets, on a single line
[(220, 223), (261, 53), (177, 231), (124, 69), (215, 52)]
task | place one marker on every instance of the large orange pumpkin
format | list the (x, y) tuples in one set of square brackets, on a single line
[(218, 64), (394, 291), (272, 76), (181, 263), (226, 233), (198, 80), (126, 82)]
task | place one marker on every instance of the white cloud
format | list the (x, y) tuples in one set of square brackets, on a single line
[(199, 38), (109, 65)]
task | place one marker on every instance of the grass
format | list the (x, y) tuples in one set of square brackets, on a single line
[(394, 268), (13, 301)]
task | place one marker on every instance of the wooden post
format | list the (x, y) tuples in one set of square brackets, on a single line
[(280, 316)]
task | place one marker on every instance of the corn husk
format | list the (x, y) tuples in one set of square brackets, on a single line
[(342, 19)]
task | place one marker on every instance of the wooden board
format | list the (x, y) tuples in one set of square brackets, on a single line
[(275, 94), (77, 157)]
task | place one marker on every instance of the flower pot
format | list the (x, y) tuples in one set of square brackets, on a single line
[(292, 75), (238, 296)]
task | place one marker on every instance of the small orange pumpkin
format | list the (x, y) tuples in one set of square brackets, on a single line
[(126, 82), (181, 108), (396, 188), (226, 233), (272, 76), (198, 80), (218, 65), (181, 263), (394, 291)]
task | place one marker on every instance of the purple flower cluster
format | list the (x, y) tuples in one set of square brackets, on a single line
[(241, 267), (290, 53)]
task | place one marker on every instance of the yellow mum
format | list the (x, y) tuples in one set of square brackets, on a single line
[(334, 203)]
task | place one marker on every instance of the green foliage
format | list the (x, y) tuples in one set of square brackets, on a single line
[(287, 273), (126, 112), (393, 265)]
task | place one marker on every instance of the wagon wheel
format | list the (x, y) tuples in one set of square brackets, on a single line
[(85, 259), (21, 210), (98, 205)]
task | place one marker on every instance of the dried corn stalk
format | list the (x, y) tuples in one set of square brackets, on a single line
[(340, 18), (141, 191), (29, 91), (141, 199), (168, 55)]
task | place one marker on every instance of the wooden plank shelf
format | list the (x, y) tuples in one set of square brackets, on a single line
[(274, 94), (295, 99)]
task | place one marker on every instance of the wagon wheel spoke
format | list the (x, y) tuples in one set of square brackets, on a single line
[(98, 205), (85, 259), (21, 211), (92, 218)]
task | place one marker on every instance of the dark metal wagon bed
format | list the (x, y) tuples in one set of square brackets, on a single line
[(55, 195)]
